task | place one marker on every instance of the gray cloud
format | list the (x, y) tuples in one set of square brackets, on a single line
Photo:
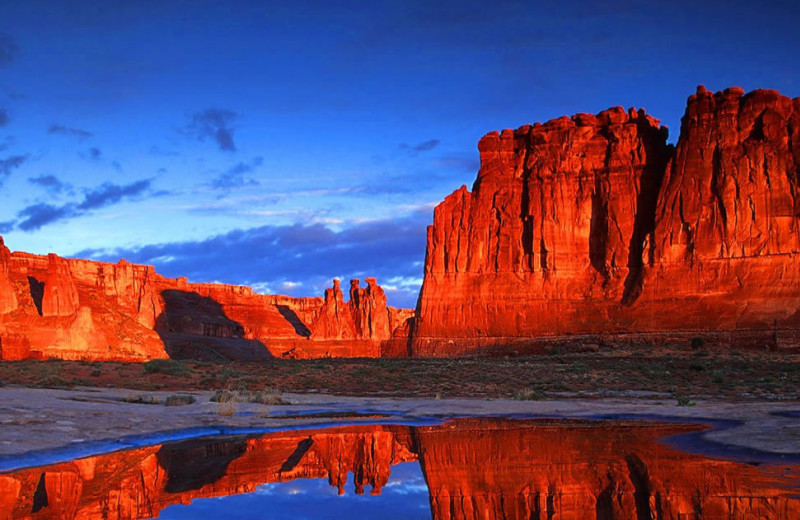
[(38, 215), (70, 132), (108, 193), (235, 176), (10, 164), (424, 146), (41, 214), (215, 124), (50, 182)]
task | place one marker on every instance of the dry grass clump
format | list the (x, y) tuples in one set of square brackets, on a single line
[(228, 399), (528, 395), (179, 400), (141, 399)]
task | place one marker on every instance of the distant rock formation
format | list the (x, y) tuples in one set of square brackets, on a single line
[(595, 225), (366, 316), (53, 307)]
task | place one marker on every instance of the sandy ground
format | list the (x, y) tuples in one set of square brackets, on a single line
[(59, 425)]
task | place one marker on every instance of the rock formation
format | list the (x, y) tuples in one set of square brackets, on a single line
[(335, 320), (474, 469), (60, 297), (366, 316), (80, 309), (8, 299), (595, 225)]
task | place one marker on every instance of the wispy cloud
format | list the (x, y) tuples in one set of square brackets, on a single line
[(10, 164), (235, 177), (38, 215), (424, 146), (215, 124), (4, 118), (78, 133)]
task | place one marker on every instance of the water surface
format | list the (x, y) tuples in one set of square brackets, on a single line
[(461, 469)]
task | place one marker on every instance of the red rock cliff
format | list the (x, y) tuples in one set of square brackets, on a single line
[(8, 299), (80, 309), (594, 225)]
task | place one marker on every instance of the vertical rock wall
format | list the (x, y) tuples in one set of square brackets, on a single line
[(595, 225)]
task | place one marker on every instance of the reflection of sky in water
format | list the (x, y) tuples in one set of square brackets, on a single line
[(404, 496)]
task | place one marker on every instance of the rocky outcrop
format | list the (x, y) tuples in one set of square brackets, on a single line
[(473, 469), (335, 320), (60, 297), (369, 310), (595, 225), (366, 316)]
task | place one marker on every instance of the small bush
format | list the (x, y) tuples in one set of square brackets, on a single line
[(141, 399), (685, 401), (242, 395), (179, 400), (166, 366), (698, 343), (528, 395)]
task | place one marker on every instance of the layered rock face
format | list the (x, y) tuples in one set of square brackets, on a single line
[(474, 469), (595, 225), (52, 307)]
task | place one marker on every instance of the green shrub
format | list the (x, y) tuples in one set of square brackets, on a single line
[(166, 366), (685, 401)]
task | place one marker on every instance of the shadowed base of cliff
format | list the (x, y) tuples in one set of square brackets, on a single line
[(785, 341), (196, 327)]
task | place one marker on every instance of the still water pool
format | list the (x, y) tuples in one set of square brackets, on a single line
[(459, 469)]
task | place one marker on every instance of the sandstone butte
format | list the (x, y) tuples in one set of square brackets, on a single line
[(591, 228), (594, 225), (473, 470)]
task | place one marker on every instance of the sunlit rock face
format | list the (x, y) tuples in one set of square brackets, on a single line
[(595, 225), (52, 307), (474, 469), (8, 299)]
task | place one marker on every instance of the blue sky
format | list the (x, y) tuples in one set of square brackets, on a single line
[(281, 144)]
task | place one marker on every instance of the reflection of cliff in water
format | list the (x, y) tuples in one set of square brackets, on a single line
[(473, 469)]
